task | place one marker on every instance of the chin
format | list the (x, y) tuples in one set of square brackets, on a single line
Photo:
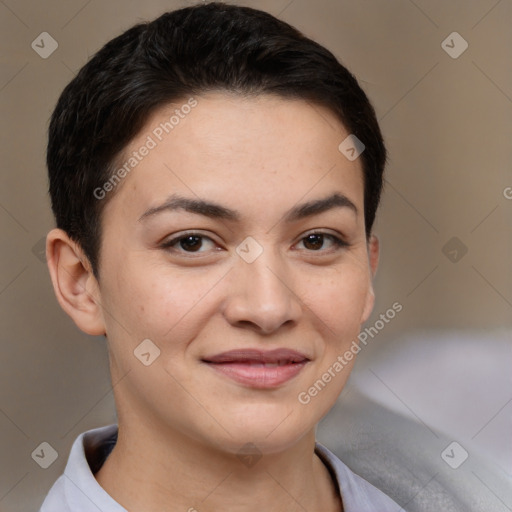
[(243, 443), (270, 428)]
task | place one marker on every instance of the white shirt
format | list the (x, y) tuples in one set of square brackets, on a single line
[(77, 490)]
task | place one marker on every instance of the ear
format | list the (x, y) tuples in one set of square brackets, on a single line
[(373, 254), (373, 259), (75, 286)]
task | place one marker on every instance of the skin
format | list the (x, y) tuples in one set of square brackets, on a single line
[(181, 424)]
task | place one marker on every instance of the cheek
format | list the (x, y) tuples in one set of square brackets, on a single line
[(339, 299), (169, 304), (153, 302)]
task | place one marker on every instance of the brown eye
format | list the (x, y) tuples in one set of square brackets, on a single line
[(189, 243), (315, 242)]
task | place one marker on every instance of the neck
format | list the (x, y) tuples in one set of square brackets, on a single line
[(150, 470)]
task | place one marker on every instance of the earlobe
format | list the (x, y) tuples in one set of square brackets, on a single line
[(74, 284)]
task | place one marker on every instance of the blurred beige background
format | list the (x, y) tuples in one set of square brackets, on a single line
[(445, 222)]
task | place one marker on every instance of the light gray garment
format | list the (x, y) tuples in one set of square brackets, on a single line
[(76, 490)]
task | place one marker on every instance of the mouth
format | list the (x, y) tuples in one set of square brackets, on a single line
[(257, 368)]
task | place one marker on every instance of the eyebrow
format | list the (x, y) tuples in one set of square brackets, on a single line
[(216, 211)]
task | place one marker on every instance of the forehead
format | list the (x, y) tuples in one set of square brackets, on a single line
[(242, 150)]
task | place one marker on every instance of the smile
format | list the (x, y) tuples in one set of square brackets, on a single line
[(258, 369)]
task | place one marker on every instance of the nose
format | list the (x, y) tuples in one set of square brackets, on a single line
[(261, 295)]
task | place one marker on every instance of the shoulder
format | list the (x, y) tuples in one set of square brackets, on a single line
[(55, 500), (357, 494), (77, 487)]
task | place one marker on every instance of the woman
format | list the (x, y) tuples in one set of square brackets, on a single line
[(215, 177)]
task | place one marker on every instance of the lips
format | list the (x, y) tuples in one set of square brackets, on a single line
[(257, 368)]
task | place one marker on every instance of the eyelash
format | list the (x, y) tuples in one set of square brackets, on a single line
[(338, 242)]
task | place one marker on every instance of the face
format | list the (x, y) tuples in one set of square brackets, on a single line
[(236, 245)]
